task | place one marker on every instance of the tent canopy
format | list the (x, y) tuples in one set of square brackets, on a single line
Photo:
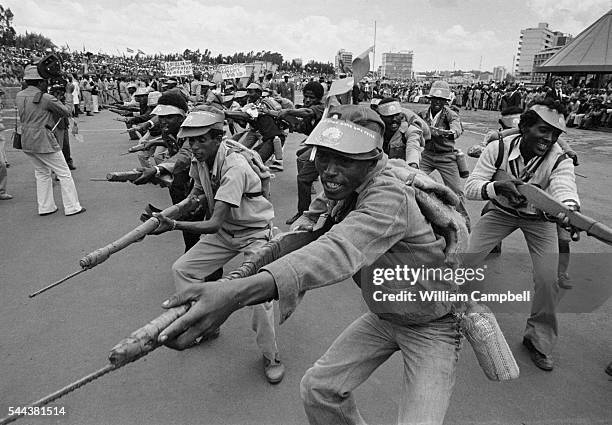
[(590, 52)]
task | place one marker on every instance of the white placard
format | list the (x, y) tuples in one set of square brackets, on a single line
[(229, 72), (177, 68)]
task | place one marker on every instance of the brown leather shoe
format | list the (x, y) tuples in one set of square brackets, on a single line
[(542, 361), (273, 369)]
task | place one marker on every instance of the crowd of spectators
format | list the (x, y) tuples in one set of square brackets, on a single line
[(587, 107)]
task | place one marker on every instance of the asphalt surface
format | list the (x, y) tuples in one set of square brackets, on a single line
[(54, 339)]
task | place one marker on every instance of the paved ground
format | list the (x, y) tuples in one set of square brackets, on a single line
[(54, 339)]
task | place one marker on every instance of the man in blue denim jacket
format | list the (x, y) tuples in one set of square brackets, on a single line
[(376, 222)]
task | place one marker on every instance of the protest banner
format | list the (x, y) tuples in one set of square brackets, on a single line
[(177, 68), (229, 72)]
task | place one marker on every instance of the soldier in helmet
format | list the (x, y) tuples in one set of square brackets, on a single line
[(369, 214), (445, 125)]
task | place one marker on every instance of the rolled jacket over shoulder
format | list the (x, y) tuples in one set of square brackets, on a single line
[(39, 114)]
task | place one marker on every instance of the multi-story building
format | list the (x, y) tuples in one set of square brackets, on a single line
[(499, 73), (346, 58), (397, 65), (539, 58), (533, 41)]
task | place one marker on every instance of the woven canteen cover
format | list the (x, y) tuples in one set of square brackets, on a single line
[(487, 340)]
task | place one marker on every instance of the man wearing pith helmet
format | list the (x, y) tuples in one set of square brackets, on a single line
[(367, 214), (533, 156), (439, 153), (240, 222)]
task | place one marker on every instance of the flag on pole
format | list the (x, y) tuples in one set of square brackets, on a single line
[(361, 64), (340, 87), (141, 52), (129, 50)]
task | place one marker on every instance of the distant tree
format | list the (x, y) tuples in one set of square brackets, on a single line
[(34, 41), (7, 32), (296, 66), (319, 67)]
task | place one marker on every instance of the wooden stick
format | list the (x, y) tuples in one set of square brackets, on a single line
[(61, 392), (46, 288)]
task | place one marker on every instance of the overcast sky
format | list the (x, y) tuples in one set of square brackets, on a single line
[(442, 33)]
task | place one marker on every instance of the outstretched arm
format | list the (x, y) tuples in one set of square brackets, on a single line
[(212, 304)]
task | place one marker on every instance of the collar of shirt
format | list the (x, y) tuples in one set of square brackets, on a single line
[(516, 163), (219, 159), (435, 119)]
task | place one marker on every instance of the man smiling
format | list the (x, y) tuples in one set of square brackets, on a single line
[(530, 157), (402, 138), (371, 214)]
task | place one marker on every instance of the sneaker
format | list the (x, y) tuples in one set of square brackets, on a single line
[(542, 361), (5, 196), (564, 281), (277, 165), (293, 219), (273, 369)]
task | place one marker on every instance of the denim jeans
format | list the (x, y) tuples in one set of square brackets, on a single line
[(430, 353), (541, 237)]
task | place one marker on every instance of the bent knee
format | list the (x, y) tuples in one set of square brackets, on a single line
[(307, 387), (315, 389), (178, 267)]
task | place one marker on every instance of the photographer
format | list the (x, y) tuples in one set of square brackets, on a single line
[(59, 90)]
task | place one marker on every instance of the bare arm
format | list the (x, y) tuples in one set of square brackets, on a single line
[(220, 213)]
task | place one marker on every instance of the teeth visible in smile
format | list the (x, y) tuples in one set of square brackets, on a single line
[(332, 185)]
